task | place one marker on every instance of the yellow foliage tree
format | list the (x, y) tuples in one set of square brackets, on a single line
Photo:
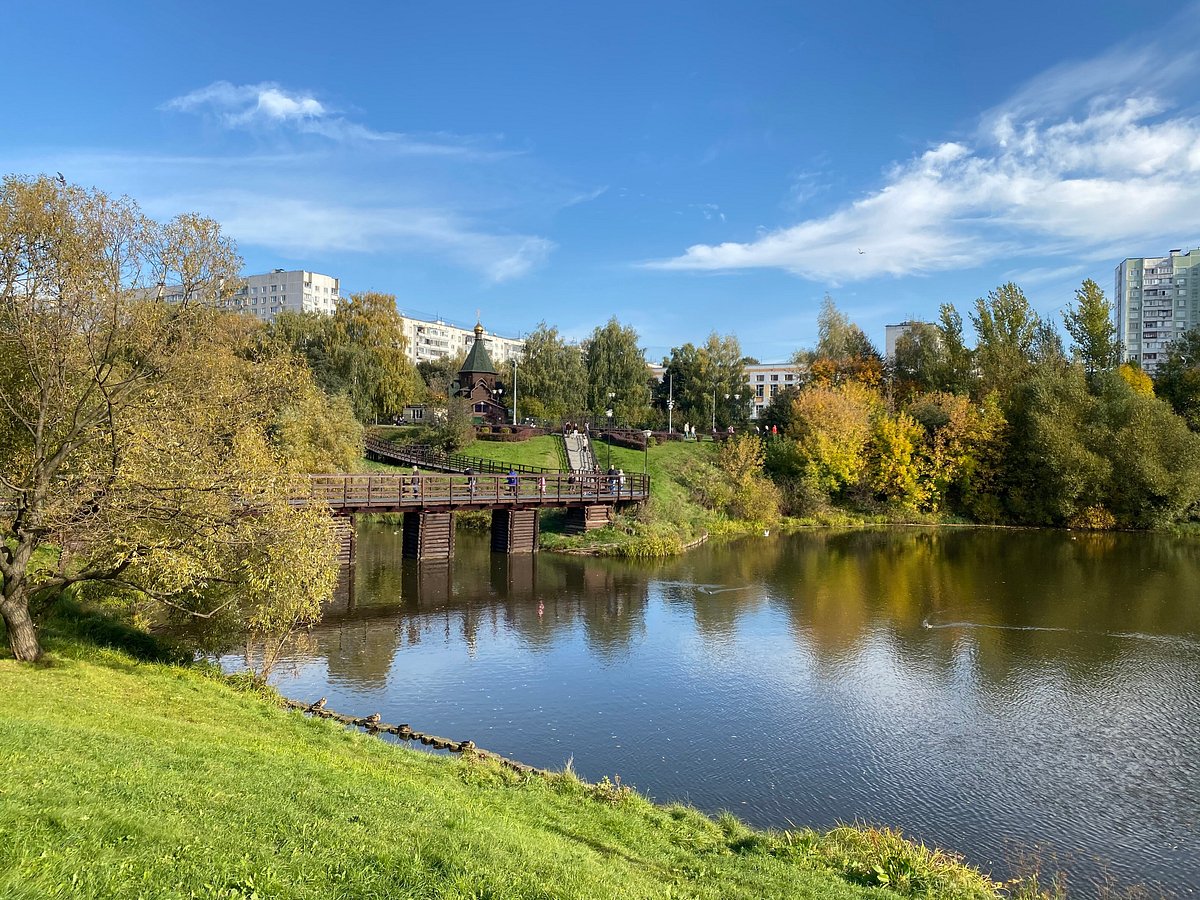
[(136, 435), (831, 425), (1136, 378)]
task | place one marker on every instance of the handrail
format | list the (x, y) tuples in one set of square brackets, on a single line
[(467, 491), (419, 454)]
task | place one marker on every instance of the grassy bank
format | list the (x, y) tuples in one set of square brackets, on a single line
[(126, 778)]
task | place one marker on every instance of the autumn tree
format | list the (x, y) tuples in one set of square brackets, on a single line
[(368, 349), (135, 446), (843, 352), (359, 351), (831, 427)]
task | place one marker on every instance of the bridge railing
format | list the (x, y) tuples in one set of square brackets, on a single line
[(483, 491), (421, 455)]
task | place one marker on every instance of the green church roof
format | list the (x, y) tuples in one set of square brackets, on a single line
[(478, 360)]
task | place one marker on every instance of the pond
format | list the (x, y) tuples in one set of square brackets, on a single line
[(1010, 695)]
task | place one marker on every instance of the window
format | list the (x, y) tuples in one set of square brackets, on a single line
[(774, 377), (273, 287), (761, 377), (758, 391), (774, 389)]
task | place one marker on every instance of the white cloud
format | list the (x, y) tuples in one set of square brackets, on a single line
[(1123, 173), (1084, 159), (268, 105), (246, 104), (295, 227)]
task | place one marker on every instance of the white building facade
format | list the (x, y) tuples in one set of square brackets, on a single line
[(1157, 299), (266, 296), (428, 341)]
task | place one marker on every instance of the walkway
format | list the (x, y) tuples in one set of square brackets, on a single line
[(579, 452)]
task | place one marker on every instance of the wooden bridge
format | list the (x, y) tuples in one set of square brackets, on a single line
[(429, 501)]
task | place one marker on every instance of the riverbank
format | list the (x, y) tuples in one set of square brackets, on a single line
[(126, 776)]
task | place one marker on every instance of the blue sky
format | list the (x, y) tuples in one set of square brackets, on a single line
[(687, 167)]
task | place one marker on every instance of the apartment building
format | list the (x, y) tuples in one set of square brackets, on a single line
[(266, 296), (1157, 299), (432, 340)]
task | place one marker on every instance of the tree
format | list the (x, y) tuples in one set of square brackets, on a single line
[(920, 359), (1007, 329), (1135, 376), (551, 378), (617, 374), (1177, 379), (707, 382), (368, 352), (831, 427), (895, 460), (359, 351), (1090, 324), (843, 353), (136, 437)]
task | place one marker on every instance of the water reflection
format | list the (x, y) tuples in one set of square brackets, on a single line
[(980, 689)]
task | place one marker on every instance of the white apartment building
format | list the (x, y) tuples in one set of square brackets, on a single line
[(1157, 299), (437, 339), (266, 296)]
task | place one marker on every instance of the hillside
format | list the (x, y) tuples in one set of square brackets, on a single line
[(124, 778)]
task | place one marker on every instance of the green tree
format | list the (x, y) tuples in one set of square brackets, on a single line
[(617, 374), (1053, 468), (551, 378), (1177, 379), (1007, 330), (1089, 322), (136, 442), (368, 352)]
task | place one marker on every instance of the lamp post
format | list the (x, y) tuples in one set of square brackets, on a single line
[(714, 411), (514, 390), (646, 449), (608, 437), (670, 400)]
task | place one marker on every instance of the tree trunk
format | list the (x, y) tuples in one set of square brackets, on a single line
[(22, 636)]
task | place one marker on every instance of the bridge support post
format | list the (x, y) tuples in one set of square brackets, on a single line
[(587, 518), (515, 530), (343, 529), (428, 535)]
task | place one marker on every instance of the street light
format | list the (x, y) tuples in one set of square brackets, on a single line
[(514, 390), (608, 437), (646, 449)]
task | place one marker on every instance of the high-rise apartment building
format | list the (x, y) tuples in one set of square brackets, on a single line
[(1157, 299)]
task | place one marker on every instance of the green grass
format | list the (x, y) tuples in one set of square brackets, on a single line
[(537, 451), (126, 778)]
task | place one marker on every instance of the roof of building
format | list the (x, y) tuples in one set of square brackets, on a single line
[(478, 360)]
